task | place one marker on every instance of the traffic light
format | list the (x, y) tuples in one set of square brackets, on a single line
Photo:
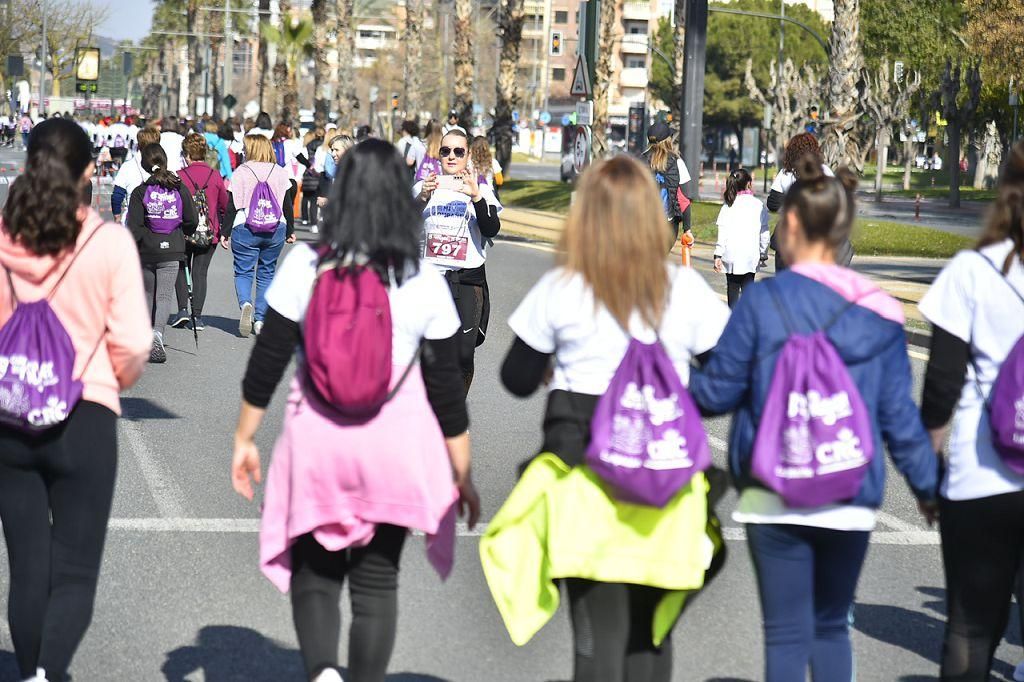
[(556, 44), (394, 101)]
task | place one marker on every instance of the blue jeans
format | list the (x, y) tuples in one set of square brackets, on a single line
[(255, 253), (807, 578)]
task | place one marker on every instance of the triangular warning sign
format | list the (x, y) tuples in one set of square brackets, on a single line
[(581, 79)]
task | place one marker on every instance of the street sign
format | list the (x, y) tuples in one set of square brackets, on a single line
[(581, 79), (584, 113), (230, 101), (545, 117), (566, 119), (897, 72), (374, 93), (581, 148), (515, 116)]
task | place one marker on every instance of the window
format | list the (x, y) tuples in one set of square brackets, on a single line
[(636, 27), (561, 16), (636, 62), (558, 74)]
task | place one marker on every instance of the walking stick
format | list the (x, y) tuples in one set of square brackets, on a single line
[(191, 304)]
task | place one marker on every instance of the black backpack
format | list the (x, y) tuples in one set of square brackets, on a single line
[(202, 238)]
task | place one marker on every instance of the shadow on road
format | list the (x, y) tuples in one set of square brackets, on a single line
[(138, 409), (913, 631), (225, 324)]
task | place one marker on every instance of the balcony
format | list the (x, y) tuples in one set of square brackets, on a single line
[(634, 43), (633, 78), (637, 9)]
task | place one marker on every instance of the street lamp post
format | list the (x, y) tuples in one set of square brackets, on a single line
[(44, 55)]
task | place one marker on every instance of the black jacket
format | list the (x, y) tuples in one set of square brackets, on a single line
[(670, 183), (160, 248)]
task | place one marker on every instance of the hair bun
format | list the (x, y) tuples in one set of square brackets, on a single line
[(848, 178), (808, 168)]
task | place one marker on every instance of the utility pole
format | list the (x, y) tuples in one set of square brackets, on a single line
[(45, 53), (229, 57), (691, 133)]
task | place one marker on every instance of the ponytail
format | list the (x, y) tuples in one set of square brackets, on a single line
[(41, 213), (154, 160), (738, 181)]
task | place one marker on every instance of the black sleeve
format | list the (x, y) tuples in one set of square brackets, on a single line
[(230, 211), (524, 368), (487, 219), (323, 189), (137, 214), (189, 214), (270, 357), (446, 389), (774, 202), (944, 378), (289, 208)]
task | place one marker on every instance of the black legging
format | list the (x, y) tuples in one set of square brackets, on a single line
[(735, 284), (469, 301), (982, 541), (198, 262), (612, 625), (309, 207), (55, 497), (317, 578)]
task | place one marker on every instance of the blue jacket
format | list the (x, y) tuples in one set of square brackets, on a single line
[(221, 146), (874, 350)]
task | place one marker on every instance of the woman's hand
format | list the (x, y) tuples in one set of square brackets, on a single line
[(470, 186), (429, 186), (718, 264), (291, 239), (225, 242), (245, 467), (930, 511), (321, 201), (469, 502)]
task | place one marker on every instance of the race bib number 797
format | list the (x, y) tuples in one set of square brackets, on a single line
[(448, 247)]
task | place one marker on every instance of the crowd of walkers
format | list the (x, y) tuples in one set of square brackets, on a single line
[(384, 305)]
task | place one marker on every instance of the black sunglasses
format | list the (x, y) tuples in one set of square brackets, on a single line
[(459, 152)]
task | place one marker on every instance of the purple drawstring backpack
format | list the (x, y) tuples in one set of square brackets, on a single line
[(815, 441), (163, 209), (38, 389), (646, 437), (264, 213), (1006, 400)]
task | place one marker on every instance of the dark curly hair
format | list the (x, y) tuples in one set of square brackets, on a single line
[(41, 213), (798, 147), (1006, 216)]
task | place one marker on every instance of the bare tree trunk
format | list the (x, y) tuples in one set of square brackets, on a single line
[(841, 144), (678, 58), (215, 97), (262, 57), (195, 66), (603, 76), (321, 68), (908, 160), (882, 160), (958, 115), (510, 26), (347, 102), (280, 70), (413, 58), (464, 62)]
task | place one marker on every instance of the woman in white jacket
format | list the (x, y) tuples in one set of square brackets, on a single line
[(742, 234)]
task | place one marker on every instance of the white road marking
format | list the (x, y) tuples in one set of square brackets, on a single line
[(895, 522), (169, 498), (529, 245), (252, 526)]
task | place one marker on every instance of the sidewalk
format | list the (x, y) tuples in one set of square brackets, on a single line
[(905, 279)]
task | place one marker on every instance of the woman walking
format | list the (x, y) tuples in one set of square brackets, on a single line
[(809, 485), (581, 321), (670, 173), (460, 218), (342, 493), (742, 244), (56, 487), (483, 163), (976, 307), (210, 197), (160, 216), (260, 219)]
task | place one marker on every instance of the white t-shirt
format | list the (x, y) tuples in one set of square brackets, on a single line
[(412, 148), (973, 302), (742, 234), (130, 175), (785, 179), (559, 316), (684, 172), (171, 142), (269, 134), (452, 239), (121, 130), (421, 308)]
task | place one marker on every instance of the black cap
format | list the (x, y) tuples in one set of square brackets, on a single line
[(659, 131)]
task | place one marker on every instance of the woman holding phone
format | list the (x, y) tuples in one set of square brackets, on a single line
[(460, 217)]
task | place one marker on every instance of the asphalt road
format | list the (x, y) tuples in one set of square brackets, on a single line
[(181, 597)]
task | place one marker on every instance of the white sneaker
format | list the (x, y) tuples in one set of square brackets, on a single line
[(40, 676), (257, 327), (314, 229), (245, 319), (329, 675), (1018, 672)]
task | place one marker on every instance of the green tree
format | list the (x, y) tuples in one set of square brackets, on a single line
[(732, 40), (293, 41)]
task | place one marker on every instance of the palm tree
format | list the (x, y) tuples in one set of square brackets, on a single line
[(841, 144), (603, 75), (293, 46), (194, 66), (321, 76), (510, 28), (464, 63), (346, 100), (262, 56), (413, 58)]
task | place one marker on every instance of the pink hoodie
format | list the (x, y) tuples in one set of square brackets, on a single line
[(100, 301), (854, 287)]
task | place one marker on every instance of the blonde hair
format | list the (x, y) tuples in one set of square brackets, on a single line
[(661, 153), (615, 238), (329, 136), (480, 155), (147, 136), (434, 137), (345, 142), (258, 148)]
